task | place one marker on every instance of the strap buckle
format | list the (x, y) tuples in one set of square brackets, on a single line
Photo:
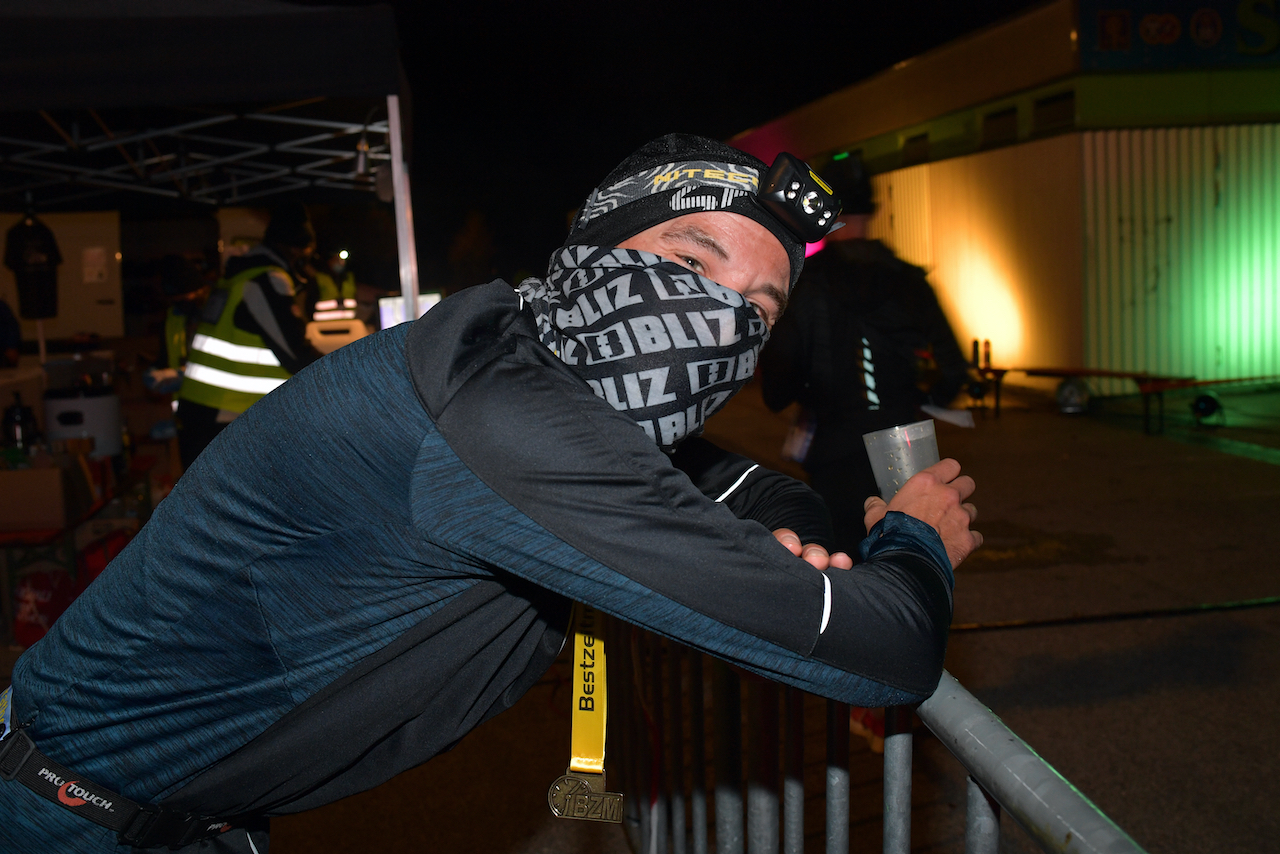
[(154, 826), (7, 746), (139, 826)]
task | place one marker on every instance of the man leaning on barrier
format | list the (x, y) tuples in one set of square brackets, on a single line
[(301, 622)]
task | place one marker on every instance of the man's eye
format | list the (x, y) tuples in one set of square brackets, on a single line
[(694, 263), (761, 311)]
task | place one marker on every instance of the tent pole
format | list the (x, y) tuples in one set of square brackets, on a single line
[(404, 212)]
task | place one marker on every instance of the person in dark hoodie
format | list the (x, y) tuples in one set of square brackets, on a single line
[(848, 348), (251, 336), (301, 621)]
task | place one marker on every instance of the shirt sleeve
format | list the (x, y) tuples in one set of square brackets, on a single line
[(751, 491), (605, 518)]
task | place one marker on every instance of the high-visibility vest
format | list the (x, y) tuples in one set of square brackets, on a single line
[(228, 368), (335, 301)]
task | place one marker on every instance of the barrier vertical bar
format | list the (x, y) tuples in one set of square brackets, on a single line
[(727, 720), (698, 747), (793, 775), (982, 821), (675, 735), (762, 768), (837, 778), (658, 821), (636, 804), (897, 780), (644, 740)]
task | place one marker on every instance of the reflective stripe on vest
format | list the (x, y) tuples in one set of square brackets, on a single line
[(328, 309), (234, 352), (232, 382)]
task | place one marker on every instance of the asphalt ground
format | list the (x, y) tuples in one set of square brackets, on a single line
[(1116, 619)]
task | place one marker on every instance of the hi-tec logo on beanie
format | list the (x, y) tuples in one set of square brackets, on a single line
[(672, 176), (723, 182)]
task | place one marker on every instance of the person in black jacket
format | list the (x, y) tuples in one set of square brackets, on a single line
[(302, 620), (848, 351)]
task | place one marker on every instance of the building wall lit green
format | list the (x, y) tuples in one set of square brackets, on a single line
[(1181, 262)]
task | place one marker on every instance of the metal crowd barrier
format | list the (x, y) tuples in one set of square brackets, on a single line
[(660, 755)]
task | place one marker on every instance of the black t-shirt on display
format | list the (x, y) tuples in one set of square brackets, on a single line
[(31, 252)]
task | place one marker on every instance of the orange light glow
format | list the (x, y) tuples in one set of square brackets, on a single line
[(983, 303)]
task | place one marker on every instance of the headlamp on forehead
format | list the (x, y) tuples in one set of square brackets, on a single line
[(799, 199)]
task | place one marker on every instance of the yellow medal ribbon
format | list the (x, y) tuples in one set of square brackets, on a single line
[(580, 792), (590, 694)]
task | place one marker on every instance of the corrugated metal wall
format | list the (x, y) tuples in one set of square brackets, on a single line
[(1181, 261), (903, 218)]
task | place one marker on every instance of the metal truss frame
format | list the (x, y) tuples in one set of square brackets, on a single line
[(222, 159)]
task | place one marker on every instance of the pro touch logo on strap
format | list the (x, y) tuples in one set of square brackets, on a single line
[(6, 705), (71, 793), (138, 825)]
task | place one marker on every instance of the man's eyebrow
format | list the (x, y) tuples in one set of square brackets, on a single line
[(779, 297), (698, 237)]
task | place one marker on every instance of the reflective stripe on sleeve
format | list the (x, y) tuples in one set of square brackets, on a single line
[(234, 352), (826, 603), (737, 483)]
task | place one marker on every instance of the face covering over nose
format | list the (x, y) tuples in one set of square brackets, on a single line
[(651, 337)]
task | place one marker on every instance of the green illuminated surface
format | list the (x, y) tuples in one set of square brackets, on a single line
[(1182, 267)]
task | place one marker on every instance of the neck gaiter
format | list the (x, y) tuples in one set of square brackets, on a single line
[(651, 337)]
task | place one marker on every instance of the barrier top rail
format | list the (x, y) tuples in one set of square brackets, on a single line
[(1053, 811)]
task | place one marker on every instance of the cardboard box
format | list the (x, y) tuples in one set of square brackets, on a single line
[(37, 499)]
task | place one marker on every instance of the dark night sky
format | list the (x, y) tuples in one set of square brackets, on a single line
[(519, 108)]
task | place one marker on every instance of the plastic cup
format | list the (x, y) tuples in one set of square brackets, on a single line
[(896, 453)]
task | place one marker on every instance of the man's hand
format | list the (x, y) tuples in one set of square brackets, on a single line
[(813, 553), (935, 496)]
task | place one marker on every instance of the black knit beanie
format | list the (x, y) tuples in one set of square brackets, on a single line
[(675, 175), (849, 180)]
